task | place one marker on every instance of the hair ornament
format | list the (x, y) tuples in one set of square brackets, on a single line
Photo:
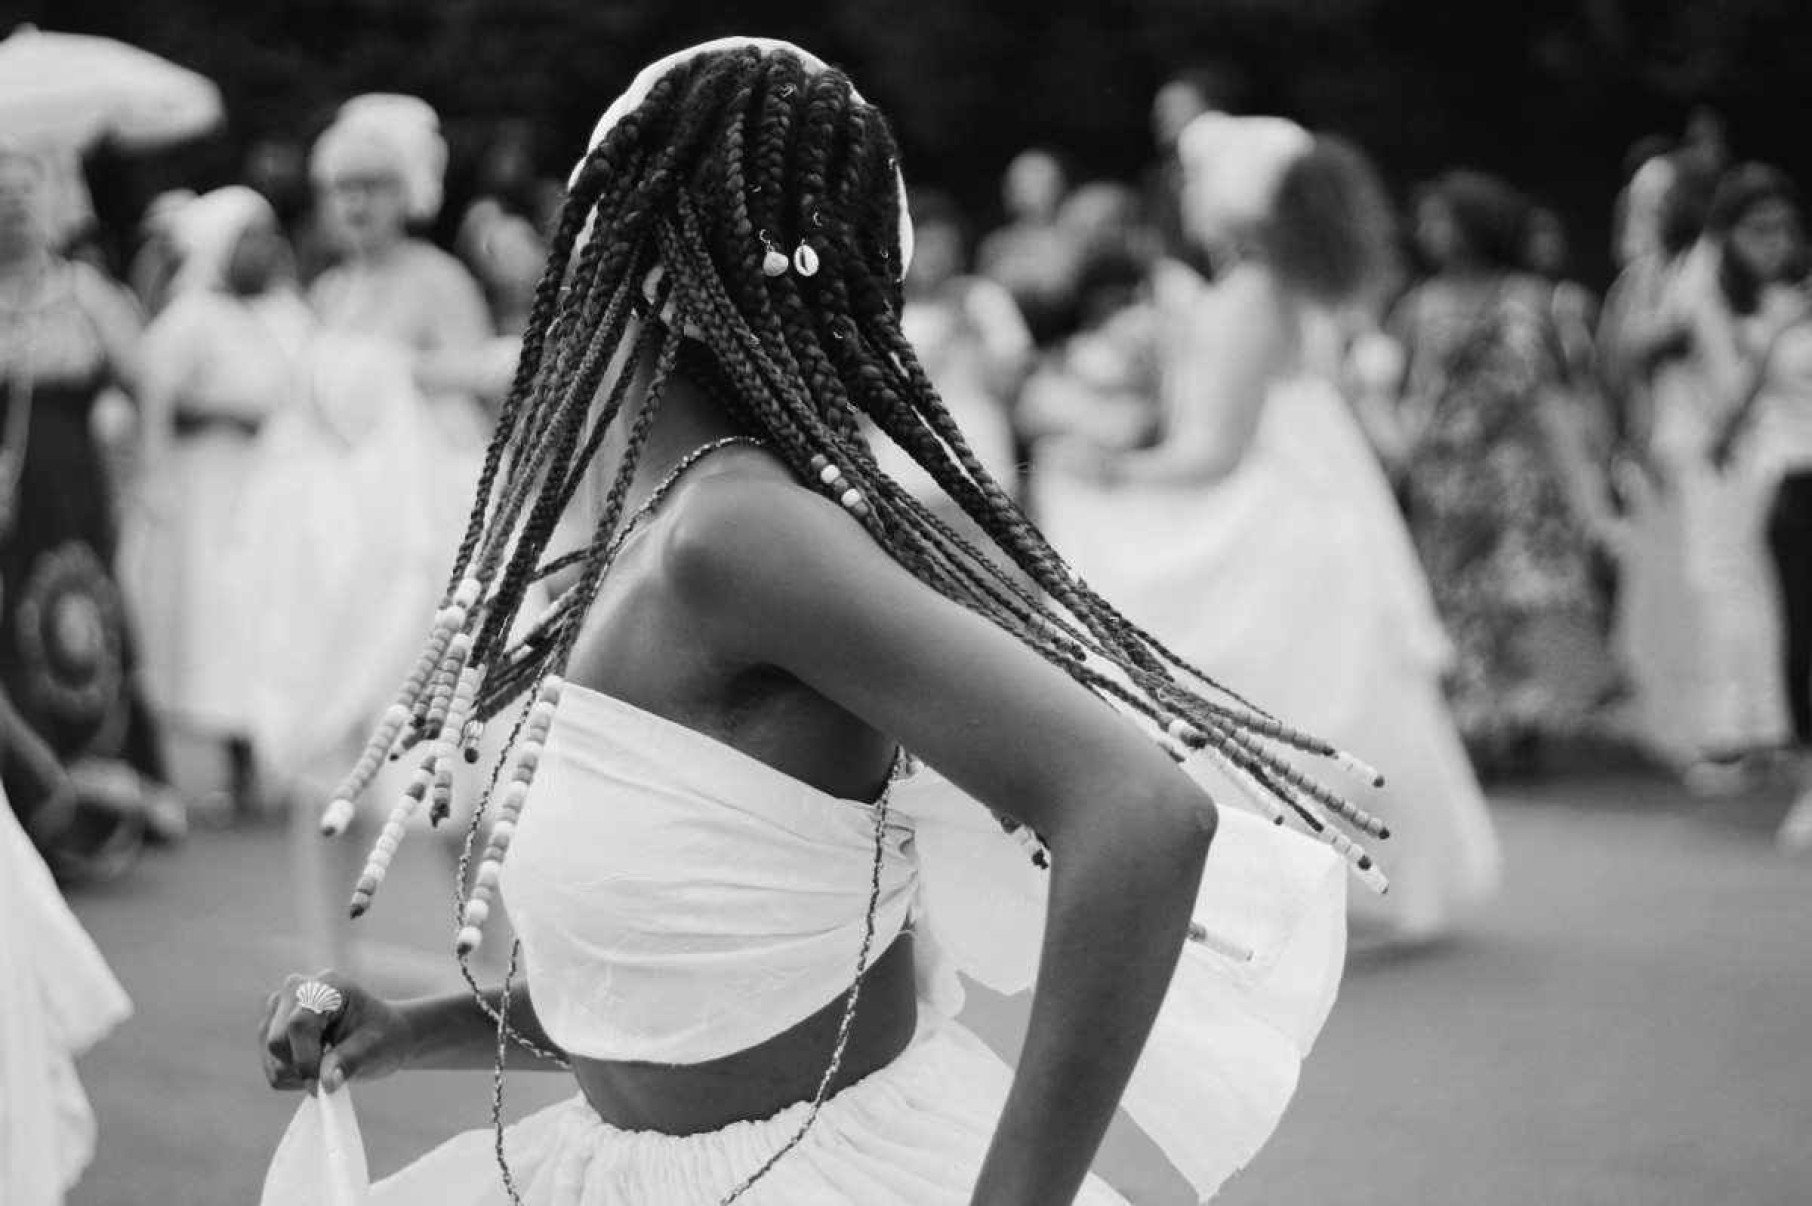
[(773, 261)]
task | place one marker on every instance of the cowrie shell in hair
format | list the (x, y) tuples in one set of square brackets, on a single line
[(773, 263), (805, 260)]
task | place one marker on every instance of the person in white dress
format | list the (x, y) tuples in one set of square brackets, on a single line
[(379, 170), (1765, 443), (1699, 613), (57, 999), (1259, 536), (367, 475), (218, 362), (741, 905)]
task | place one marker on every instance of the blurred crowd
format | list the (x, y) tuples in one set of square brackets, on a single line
[(239, 440), (1607, 496)]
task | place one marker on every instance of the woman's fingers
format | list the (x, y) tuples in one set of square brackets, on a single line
[(294, 1038), (304, 1031), (273, 1043), (346, 1059)]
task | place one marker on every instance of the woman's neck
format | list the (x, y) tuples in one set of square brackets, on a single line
[(688, 419), (380, 255)]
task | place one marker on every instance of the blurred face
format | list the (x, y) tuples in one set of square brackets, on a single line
[(364, 202), (1176, 105), (1767, 238), (1547, 250), (937, 256), (1438, 234), (21, 194), (260, 259), (1034, 187)]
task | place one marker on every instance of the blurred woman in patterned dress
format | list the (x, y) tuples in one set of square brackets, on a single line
[(1504, 500), (66, 657)]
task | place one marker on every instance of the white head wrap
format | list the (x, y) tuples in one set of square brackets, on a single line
[(1232, 167), (161, 211), (208, 228), (403, 132), (643, 84)]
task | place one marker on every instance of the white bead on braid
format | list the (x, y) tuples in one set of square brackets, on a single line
[(340, 810), (466, 594), (447, 740), (377, 863), (1220, 944), (1182, 741), (433, 777), (1362, 769), (847, 496), (397, 718), (433, 774), (1363, 867), (1182, 732), (536, 727), (431, 713)]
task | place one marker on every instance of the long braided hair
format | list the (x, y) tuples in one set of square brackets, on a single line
[(739, 226)]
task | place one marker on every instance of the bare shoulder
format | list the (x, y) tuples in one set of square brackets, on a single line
[(756, 533)]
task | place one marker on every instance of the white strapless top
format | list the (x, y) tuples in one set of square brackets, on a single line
[(679, 901)]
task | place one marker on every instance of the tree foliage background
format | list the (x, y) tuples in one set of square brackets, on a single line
[(1549, 92)]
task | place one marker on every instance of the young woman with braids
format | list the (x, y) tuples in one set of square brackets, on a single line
[(741, 910)]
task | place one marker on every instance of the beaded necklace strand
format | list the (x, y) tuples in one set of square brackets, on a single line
[(900, 769)]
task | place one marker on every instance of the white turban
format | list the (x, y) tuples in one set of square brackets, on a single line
[(1232, 167), (400, 132), (208, 228), (643, 84)]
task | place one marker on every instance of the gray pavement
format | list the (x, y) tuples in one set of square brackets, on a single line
[(1630, 1023)]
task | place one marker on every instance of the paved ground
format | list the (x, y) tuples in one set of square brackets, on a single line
[(1630, 1024)]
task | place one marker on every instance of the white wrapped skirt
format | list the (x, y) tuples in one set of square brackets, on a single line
[(912, 1134)]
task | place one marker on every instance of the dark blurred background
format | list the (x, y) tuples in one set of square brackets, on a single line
[(1548, 92)]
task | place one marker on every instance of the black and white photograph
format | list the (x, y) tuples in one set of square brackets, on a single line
[(905, 603)]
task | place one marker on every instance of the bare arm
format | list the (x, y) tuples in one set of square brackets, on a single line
[(783, 578), (484, 370), (1374, 376), (1565, 430), (452, 1033), (369, 1037)]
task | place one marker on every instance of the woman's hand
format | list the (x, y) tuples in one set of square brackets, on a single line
[(367, 1037)]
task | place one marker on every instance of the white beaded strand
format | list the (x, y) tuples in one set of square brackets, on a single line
[(477, 908)]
